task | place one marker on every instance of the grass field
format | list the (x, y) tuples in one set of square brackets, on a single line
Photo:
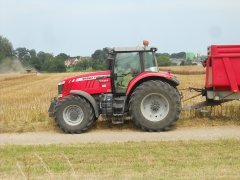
[(132, 160), (24, 102)]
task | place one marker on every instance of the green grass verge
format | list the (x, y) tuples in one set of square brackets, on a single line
[(137, 160)]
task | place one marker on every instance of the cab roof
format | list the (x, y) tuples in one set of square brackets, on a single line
[(132, 49)]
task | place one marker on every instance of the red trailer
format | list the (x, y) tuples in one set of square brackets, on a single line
[(223, 72), (222, 76)]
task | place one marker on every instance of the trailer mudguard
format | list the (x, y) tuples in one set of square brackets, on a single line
[(89, 98)]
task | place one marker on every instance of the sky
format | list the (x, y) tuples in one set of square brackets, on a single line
[(78, 27)]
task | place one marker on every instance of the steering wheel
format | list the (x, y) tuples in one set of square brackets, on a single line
[(123, 75)]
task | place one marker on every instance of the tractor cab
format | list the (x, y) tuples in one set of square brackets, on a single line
[(127, 63)]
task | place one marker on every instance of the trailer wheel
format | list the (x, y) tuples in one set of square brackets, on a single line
[(74, 114), (155, 106)]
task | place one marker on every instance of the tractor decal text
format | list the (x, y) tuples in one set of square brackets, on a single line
[(92, 78)]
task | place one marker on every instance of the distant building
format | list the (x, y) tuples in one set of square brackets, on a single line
[(72, 61)]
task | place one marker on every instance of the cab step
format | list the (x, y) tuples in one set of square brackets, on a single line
[(118, 119), (118, 105)]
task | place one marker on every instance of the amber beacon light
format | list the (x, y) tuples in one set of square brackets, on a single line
[(145, 42)]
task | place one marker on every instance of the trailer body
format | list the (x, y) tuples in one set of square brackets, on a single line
[(223, 72)]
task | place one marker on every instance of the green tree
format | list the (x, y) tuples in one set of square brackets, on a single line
[(99, 58), (44, 60), (63, 56), (84, 64), (6, 49), (29, 58), (179, 55), (164, 61), (34, 61), (32, 53), (23, 55), (163, 54), (56, 65)]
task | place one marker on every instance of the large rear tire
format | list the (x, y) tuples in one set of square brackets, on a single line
[(74, 114), (155, 106)]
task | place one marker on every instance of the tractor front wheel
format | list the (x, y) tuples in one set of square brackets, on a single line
[(74, 114), (155, 105)]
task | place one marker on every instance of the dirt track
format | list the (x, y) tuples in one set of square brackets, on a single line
[(210, 133)]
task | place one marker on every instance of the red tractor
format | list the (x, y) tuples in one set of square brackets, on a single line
[(132, 86)]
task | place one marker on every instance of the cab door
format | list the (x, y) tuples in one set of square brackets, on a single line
[(127, 66)]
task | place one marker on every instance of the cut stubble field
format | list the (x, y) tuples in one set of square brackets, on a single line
[(184, 70), (25, 99)]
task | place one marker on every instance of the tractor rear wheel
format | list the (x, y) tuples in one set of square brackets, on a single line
[(155, 105), (74, 114)]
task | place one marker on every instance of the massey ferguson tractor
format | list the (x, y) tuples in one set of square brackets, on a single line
[(133, 87)]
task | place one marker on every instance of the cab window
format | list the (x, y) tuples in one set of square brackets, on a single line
[(127, 66)]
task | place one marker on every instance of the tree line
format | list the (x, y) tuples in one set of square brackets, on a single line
[(40, 61), (47, 62)]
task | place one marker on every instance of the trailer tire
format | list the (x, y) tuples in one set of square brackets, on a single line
[(155, 106), (74, 114)]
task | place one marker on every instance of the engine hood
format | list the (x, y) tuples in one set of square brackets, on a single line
[(87, 76)]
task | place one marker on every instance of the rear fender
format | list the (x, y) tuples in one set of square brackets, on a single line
[(89, 98), (145, 76)]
